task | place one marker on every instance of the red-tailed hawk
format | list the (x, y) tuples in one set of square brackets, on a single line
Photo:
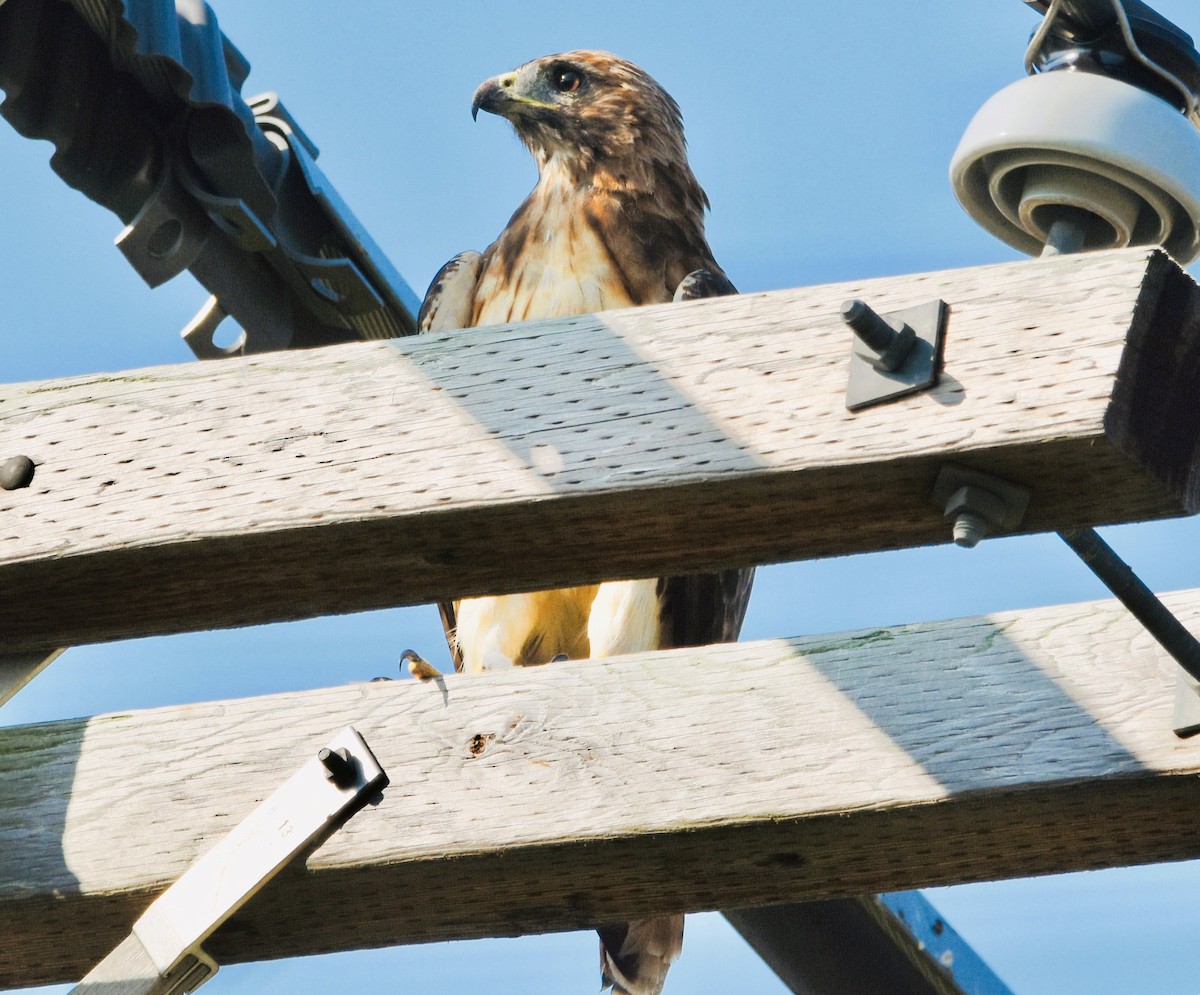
[(616, 220)]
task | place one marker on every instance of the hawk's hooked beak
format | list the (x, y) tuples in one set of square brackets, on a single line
[(493, 94), (505, 95)]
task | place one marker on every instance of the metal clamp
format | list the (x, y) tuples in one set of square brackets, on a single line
[(167, 234)]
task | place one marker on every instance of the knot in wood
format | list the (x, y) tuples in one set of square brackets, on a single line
[(479, 742)]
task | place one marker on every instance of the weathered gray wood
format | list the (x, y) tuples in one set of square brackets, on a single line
[(164, 952), (573, 794), (632, 443)]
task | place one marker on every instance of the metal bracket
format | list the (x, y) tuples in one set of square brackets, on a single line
[(870, 945), (162, 955), (18, 669), (200, 333), (979, 503), (895, 353), (167, 234), (938, 942)]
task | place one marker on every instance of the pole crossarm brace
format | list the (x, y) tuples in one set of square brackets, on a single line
[(570, 451), (869, 945), (18, 669), (163, 954), (727, 777)]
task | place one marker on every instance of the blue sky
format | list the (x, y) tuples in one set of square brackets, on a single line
[(823, 135)]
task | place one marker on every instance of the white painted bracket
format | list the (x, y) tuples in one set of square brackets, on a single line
[(163, 956)]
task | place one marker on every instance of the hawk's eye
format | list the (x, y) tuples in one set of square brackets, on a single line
[(565, 79)]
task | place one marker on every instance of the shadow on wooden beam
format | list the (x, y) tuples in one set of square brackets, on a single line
[(564, 452), (719, 778)]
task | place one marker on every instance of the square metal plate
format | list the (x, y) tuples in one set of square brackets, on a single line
[(921, 369)]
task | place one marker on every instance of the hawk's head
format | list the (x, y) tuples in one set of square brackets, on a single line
[(586, 108)]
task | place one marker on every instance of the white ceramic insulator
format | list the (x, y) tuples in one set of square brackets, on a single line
[(1079, 140)]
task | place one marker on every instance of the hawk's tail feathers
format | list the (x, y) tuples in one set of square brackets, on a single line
[(635, 956)]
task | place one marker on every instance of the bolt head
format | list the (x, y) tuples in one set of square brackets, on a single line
[(16, 472)]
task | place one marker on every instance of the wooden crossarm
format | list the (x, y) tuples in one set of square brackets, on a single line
[(560, 797), (632, 443)]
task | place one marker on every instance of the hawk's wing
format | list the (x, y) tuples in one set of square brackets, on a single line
[(448, 304), (451, 294), (699, 609)]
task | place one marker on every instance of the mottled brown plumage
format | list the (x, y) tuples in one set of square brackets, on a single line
[(616, 220)]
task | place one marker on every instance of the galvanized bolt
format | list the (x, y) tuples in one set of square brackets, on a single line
[(975, 512), (16, 473), (978, 503), (969, 528), (340, 768), (891, 343)]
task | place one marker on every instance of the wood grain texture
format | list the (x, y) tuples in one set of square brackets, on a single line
[(634, 443), (727, 777)]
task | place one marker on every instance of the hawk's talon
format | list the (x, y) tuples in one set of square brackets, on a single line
[(418, 666)]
